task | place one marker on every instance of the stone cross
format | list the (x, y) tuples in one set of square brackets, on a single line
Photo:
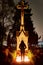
[(22, 7)]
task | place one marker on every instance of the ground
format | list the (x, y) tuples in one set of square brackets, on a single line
[(37, 61)]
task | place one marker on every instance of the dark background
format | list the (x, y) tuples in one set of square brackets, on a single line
[(37, 11)]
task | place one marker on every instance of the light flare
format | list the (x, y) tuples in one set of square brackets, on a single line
[(18, 59), (30, 54), (26, 59)]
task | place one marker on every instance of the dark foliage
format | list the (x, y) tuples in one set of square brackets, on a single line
[(2, 33)]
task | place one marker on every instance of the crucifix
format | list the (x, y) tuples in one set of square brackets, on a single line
[(22, 7)]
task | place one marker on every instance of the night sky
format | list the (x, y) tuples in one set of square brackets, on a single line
[(37, 17)]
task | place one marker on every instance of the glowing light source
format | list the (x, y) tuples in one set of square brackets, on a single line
[(13, 55), (30, 55), (26, 59), (18, 59)]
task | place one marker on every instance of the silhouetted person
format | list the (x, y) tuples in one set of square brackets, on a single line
[(22, 47)]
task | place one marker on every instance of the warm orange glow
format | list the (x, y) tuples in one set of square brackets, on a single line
[(14, 55), (6, 51), (30, 54), (18, 59), (26, 59)]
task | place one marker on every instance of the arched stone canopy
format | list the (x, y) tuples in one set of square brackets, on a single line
[(21, 37)]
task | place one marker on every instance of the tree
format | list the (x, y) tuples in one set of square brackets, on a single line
[(2, 33), (6, 15)]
